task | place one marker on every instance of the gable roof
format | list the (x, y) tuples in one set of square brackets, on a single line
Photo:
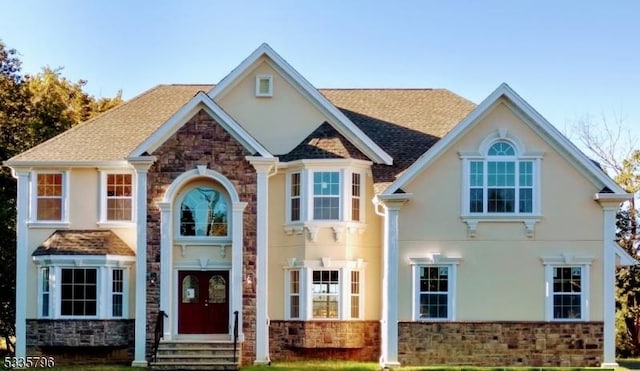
[(198, 102), (404, 122), (83, 242), (114, 134), (336, 117), (324, 142), (533, 119)]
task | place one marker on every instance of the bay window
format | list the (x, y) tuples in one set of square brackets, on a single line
[(325, 195), (314, 292)]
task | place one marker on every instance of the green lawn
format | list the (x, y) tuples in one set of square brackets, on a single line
[(360, 366)]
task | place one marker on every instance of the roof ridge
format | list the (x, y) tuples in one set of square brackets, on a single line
[(84, 123), (387, 88)]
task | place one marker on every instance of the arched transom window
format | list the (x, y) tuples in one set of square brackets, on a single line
[(204, 213), (502, 182)]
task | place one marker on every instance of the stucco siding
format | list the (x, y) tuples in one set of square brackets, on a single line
[(287, 111), (501, 275)]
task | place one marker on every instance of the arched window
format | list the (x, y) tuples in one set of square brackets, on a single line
[(501, 182), (204, 213)]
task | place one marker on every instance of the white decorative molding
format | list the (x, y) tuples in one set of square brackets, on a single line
[(473, 220), (292, 262), (291, 229), (435, 258), (502, 133), (529, 227), (338, 231), (472, 228), (223, 251), (566, 258), (313, 232), (202, 169), (203, 262), (326, 262)]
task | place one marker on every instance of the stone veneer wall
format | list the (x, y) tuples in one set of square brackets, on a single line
[(202, 141), (335, 340), (81, 341), (501, 343)]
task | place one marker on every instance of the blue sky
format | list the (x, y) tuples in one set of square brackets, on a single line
[(567, 58)]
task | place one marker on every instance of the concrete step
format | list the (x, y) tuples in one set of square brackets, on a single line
[(196, 355)]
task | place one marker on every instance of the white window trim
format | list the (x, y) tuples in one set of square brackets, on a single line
[(33, 209), (307, 168), (260, 78), (104, 264), (567, 260), (434, 260), (306, 269), (202, 240), (528, 219), (103, 222)]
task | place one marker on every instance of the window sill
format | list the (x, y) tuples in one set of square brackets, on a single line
[(116, 224), (312, 227), (528, 220), (47, 224)]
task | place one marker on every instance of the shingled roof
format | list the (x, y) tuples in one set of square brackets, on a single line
[(84, 242), (403, 122)]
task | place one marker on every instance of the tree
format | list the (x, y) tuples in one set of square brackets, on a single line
[(615, 148), (32, 110)]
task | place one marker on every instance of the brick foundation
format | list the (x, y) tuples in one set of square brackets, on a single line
[(81, 341), (336, 340), (501, 343), (202, 141)]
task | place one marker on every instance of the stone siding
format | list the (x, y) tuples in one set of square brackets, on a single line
[(81, 341), (501, 343), (336, 340), (202, 141)]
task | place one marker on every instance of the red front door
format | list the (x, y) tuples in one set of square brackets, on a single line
[(203, 302)]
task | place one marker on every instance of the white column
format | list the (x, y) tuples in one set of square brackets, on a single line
[(237, 281), (166, 260), (390, 266), (264, 168), (141, 166), (610, 203), (609, 286), (22, 261)]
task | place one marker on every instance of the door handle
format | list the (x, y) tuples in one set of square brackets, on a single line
[(206, 303)]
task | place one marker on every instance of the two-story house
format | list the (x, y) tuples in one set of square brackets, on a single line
[(405, 226)]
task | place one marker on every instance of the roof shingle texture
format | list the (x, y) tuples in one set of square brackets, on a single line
[(405, 123), (84, 242)]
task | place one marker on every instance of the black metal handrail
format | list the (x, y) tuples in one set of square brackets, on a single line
[(158, 333), (235, 334)]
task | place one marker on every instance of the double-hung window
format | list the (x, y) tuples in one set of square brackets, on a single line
[(434, 282), (49, 196), (501, 183), (567, 287), (119, 196), (326, 195)]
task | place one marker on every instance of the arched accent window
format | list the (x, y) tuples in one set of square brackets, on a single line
[(204, 212), (502, 182)]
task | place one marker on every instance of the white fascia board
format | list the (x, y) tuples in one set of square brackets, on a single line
[(338, 120), (538, 123), (625, 258), (200, 101), (443, 144), (576, 156), (66, 164)]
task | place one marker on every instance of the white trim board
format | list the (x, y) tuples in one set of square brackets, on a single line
[(184, 114), (532, 119)]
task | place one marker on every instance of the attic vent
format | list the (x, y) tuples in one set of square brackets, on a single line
[(264, 86)]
